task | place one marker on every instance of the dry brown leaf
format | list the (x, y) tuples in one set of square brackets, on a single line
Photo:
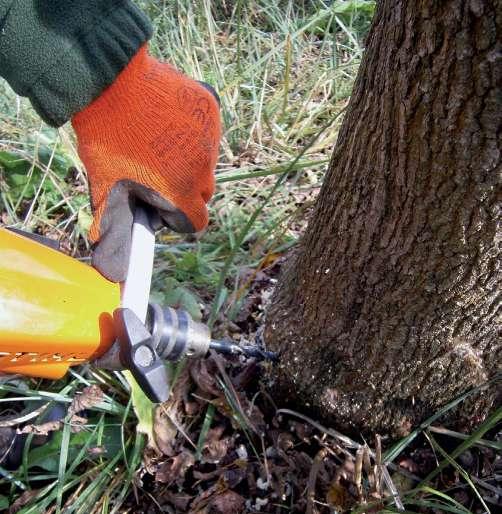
[(76, 422), (23, 500), (173, 470), (232, 475), (167, 419), (164, 430), (204, 477), (151, 459), (224, 408), (337, 496), (192, 408), (285, 441), (218, 500), (42, 429), (179, 500), (235, 475), (204, 378), (217, 450), (249, 413), (89, 397), (201, 502), (227, 503), (244, 378)]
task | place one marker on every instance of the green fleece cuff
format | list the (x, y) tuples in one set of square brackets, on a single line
[(62, 54)]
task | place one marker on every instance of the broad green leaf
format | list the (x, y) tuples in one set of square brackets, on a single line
[(180, 297), (143, 408), (4, 502), (47, 455)]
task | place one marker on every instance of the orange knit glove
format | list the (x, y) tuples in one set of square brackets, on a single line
[(152, 135)]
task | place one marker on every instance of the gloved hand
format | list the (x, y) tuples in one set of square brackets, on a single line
[(152, 135)]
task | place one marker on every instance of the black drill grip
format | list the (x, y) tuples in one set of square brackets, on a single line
[(138, 355)]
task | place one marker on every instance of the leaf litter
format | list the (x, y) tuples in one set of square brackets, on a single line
[(89, 397), (224, 447), (252, 458)]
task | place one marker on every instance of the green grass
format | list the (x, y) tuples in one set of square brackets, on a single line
[(284, 71)]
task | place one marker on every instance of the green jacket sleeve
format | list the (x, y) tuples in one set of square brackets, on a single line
[(61, 54)]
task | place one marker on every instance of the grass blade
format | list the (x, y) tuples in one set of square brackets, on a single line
[(63, 459), (258, 211), (206, 425), (396, 450), (490, 423), (459, 468)]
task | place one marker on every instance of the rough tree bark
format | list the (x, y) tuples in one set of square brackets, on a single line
[(391, 305)]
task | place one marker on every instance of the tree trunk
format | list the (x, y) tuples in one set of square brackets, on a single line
[(390, 306)]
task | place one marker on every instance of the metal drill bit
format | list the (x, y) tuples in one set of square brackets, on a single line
[(231, 348)]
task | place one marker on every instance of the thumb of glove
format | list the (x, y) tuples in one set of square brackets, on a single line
[(111, 253)]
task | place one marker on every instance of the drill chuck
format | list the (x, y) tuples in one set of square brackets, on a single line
[(167, 335), (175, 334)]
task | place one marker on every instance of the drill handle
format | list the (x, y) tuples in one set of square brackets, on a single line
[(136, 287)]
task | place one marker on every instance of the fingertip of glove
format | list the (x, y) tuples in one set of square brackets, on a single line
[(178, 221)]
